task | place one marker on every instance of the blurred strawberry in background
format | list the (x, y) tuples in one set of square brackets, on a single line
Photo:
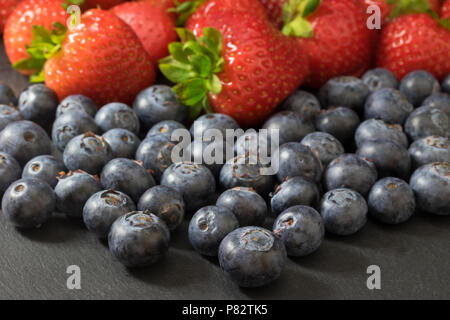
[(6, 8)]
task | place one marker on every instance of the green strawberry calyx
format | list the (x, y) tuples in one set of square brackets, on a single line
[(193, 65), (185, 10), (295, 13), (45, 44), (67, 3), (401, 7)]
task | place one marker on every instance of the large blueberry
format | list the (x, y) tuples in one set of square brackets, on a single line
[(9, 171), (379, 78), (389, 105), (252, 256), (427, 121), (324, 146), (304, 103), (350, 171), (103, 208), (431, 186), (164, 202), (158, 103), (345, 91), (128, 176), (291, 126), (340, 122), (212, 154), (38, 103), (8, 114), (374, 129), (391, 200), (296, 159), (255, 144), (194, 182), (344, 211), (428, 150), (248, 206), (73, 190), (123, 142), (117, 115), (7, 95), (439, 100), (28, 203), (294, 191), (390, 158), (418, 85), (138, 239), (77, 102), (218, 121), (71, 124), (208, 227), (301, 229), (166, 127), (46, 168), (24, 140)]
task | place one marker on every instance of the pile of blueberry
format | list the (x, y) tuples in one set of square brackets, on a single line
[(360, 146)]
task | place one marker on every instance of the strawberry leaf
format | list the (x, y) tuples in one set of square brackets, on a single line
[(310, 7), (294, 17), (185, 10), (201, 64)]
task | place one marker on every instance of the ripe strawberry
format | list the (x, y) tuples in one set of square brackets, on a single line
[(274, 10), (18, 28), (154, 27), (6, 8), (241, 66), (101, 58), (445, 10), (415, 41), (102, 4)]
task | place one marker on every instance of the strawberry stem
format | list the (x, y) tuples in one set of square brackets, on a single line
[(193, 65), (295, 13)]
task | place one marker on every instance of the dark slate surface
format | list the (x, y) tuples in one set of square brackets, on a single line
[(414, 259)]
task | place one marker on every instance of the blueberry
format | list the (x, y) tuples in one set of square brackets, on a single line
[(296, 159), (208, 227), (374, 129), (46, 168), (390, 158), (218, 121), (340, 122), (213, 154), (345, 91), (389, 105), (241, 171), (24, 140), (164, 202), (117, 115), (28, 203), (379, 78), (446, 84), (391, 200), (123, 143), (248, 206), (103, 208), (304, 103), (166, 127), (431, 186), (418, 85), (158, 103), (252, 256), (38, 103), (7, 96), (194, 182), (344, 211), (138, 239), (439, 100), (71, 124), (127, 176), (294, 191), (73, 190), (9, 171), (77, 102), (427, 121), (155, 152), (301, 229), (428, 150), (350, 171), (254, 144), (292, 127), (324, 146), (8, 114)]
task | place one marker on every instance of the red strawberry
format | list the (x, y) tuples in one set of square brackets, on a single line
[(103, 4), (241, 66), (152, 25), (445, 10), (18, 31), (6, 8), (101, 58), (274, 10), (415, 41)]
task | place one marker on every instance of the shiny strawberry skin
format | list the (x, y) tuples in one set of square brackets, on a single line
[(6, 8), (17, 31), (262, 66), (445, 10), (154, 27), (414, 42), (101, 58)]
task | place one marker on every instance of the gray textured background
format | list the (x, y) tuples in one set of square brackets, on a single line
[(414, 259)]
